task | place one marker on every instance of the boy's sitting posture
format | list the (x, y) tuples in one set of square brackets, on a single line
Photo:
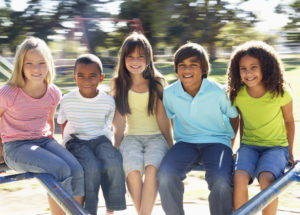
[(86, 116), (200, 111)]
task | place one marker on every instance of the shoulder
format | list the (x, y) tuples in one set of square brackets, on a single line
[(8, 94), (105, 96), (212, 85), (174, 87), (55, 93)]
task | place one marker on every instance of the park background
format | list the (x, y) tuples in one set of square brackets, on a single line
[(73, 27)]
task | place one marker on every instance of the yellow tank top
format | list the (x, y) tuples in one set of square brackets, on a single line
[(139, 122)]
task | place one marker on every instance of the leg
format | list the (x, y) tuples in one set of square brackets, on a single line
[(218, 162), (155, 148), (265, 179), (269, 169), (92, 172), (112, 176), (149, 191), (54, 207), (240, 188), (131, 149), (245, 165), (174, 167), (135, 186)]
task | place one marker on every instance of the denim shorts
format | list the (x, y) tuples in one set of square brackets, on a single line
[(257, 159), (139, 151)]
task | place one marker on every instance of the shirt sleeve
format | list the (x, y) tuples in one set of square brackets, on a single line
[(56, 93), (167, 105), (111, 114), (287, 96), (226, 106), (7, 96), (61, 118)]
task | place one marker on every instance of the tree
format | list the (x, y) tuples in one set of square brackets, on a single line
[(176, 21), (292, 28)]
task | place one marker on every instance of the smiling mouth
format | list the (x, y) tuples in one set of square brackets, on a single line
[(187, 76)]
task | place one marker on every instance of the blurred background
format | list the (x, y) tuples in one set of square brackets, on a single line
[(73, 27)]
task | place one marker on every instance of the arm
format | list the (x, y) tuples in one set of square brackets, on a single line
[(287, 111), (235, 126), (119, 125), (163, 122), (50, 120), (63, 128)]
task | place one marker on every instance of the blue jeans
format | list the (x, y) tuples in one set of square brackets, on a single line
[(102, 165), (46, 156), (181, 158)]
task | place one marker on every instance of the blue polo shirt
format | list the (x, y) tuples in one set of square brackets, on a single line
[(203, 118)]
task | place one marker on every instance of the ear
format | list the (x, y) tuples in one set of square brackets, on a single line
[(74, 77), (102, 77)]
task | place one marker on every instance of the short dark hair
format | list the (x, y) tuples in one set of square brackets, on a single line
[(89, 59), (193, 50)]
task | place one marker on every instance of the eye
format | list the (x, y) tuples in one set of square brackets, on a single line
[(194, 66)]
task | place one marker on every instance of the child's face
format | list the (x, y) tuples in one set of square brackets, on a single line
[(35, 67), (250, 71), (87, 78), (136, 61), (190, 74)]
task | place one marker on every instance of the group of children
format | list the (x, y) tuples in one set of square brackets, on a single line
[(127, 135)]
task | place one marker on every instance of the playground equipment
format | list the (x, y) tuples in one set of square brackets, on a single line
[(262, 199), (253, 206), (63, 198)]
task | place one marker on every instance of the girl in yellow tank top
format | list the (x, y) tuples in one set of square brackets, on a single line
[(141, 127)]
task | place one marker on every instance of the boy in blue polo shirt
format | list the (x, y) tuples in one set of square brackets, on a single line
[(201, 113)]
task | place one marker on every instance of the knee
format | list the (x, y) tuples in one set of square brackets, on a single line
[(221, 184), (265, 179), (241, 178), (166, 178)]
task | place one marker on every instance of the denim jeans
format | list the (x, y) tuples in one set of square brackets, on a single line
[(181, 158), (46, 156), (102, 165)]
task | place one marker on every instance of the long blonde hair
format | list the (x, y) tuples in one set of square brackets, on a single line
[(17, 78)]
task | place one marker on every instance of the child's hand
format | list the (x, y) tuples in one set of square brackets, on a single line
[(291, 160), (1, 159), (234, 156)]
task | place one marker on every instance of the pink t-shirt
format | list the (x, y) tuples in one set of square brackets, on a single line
[(23, 117)]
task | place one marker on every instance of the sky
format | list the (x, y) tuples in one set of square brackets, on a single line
[(264, 9)]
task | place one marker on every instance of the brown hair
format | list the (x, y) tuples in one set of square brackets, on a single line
[(122, 76), (193, 50), (271, 68)]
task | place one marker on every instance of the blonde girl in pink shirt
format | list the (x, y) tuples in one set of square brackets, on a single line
[(27, 105)]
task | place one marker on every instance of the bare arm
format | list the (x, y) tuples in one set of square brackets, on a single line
[(163, 122), (63, 128), (235, 126), (50, 120), (287, 111), (119, 125)]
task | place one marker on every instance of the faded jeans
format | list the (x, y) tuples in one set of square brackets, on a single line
[(46, 156), (180, 159), (102, 165)]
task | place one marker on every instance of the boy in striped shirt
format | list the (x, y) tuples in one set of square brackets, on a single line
[(86, 116)]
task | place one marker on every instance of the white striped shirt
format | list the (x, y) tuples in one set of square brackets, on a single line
[(88, 118)]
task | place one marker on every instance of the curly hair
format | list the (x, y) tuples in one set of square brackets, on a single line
[(271, 68)]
